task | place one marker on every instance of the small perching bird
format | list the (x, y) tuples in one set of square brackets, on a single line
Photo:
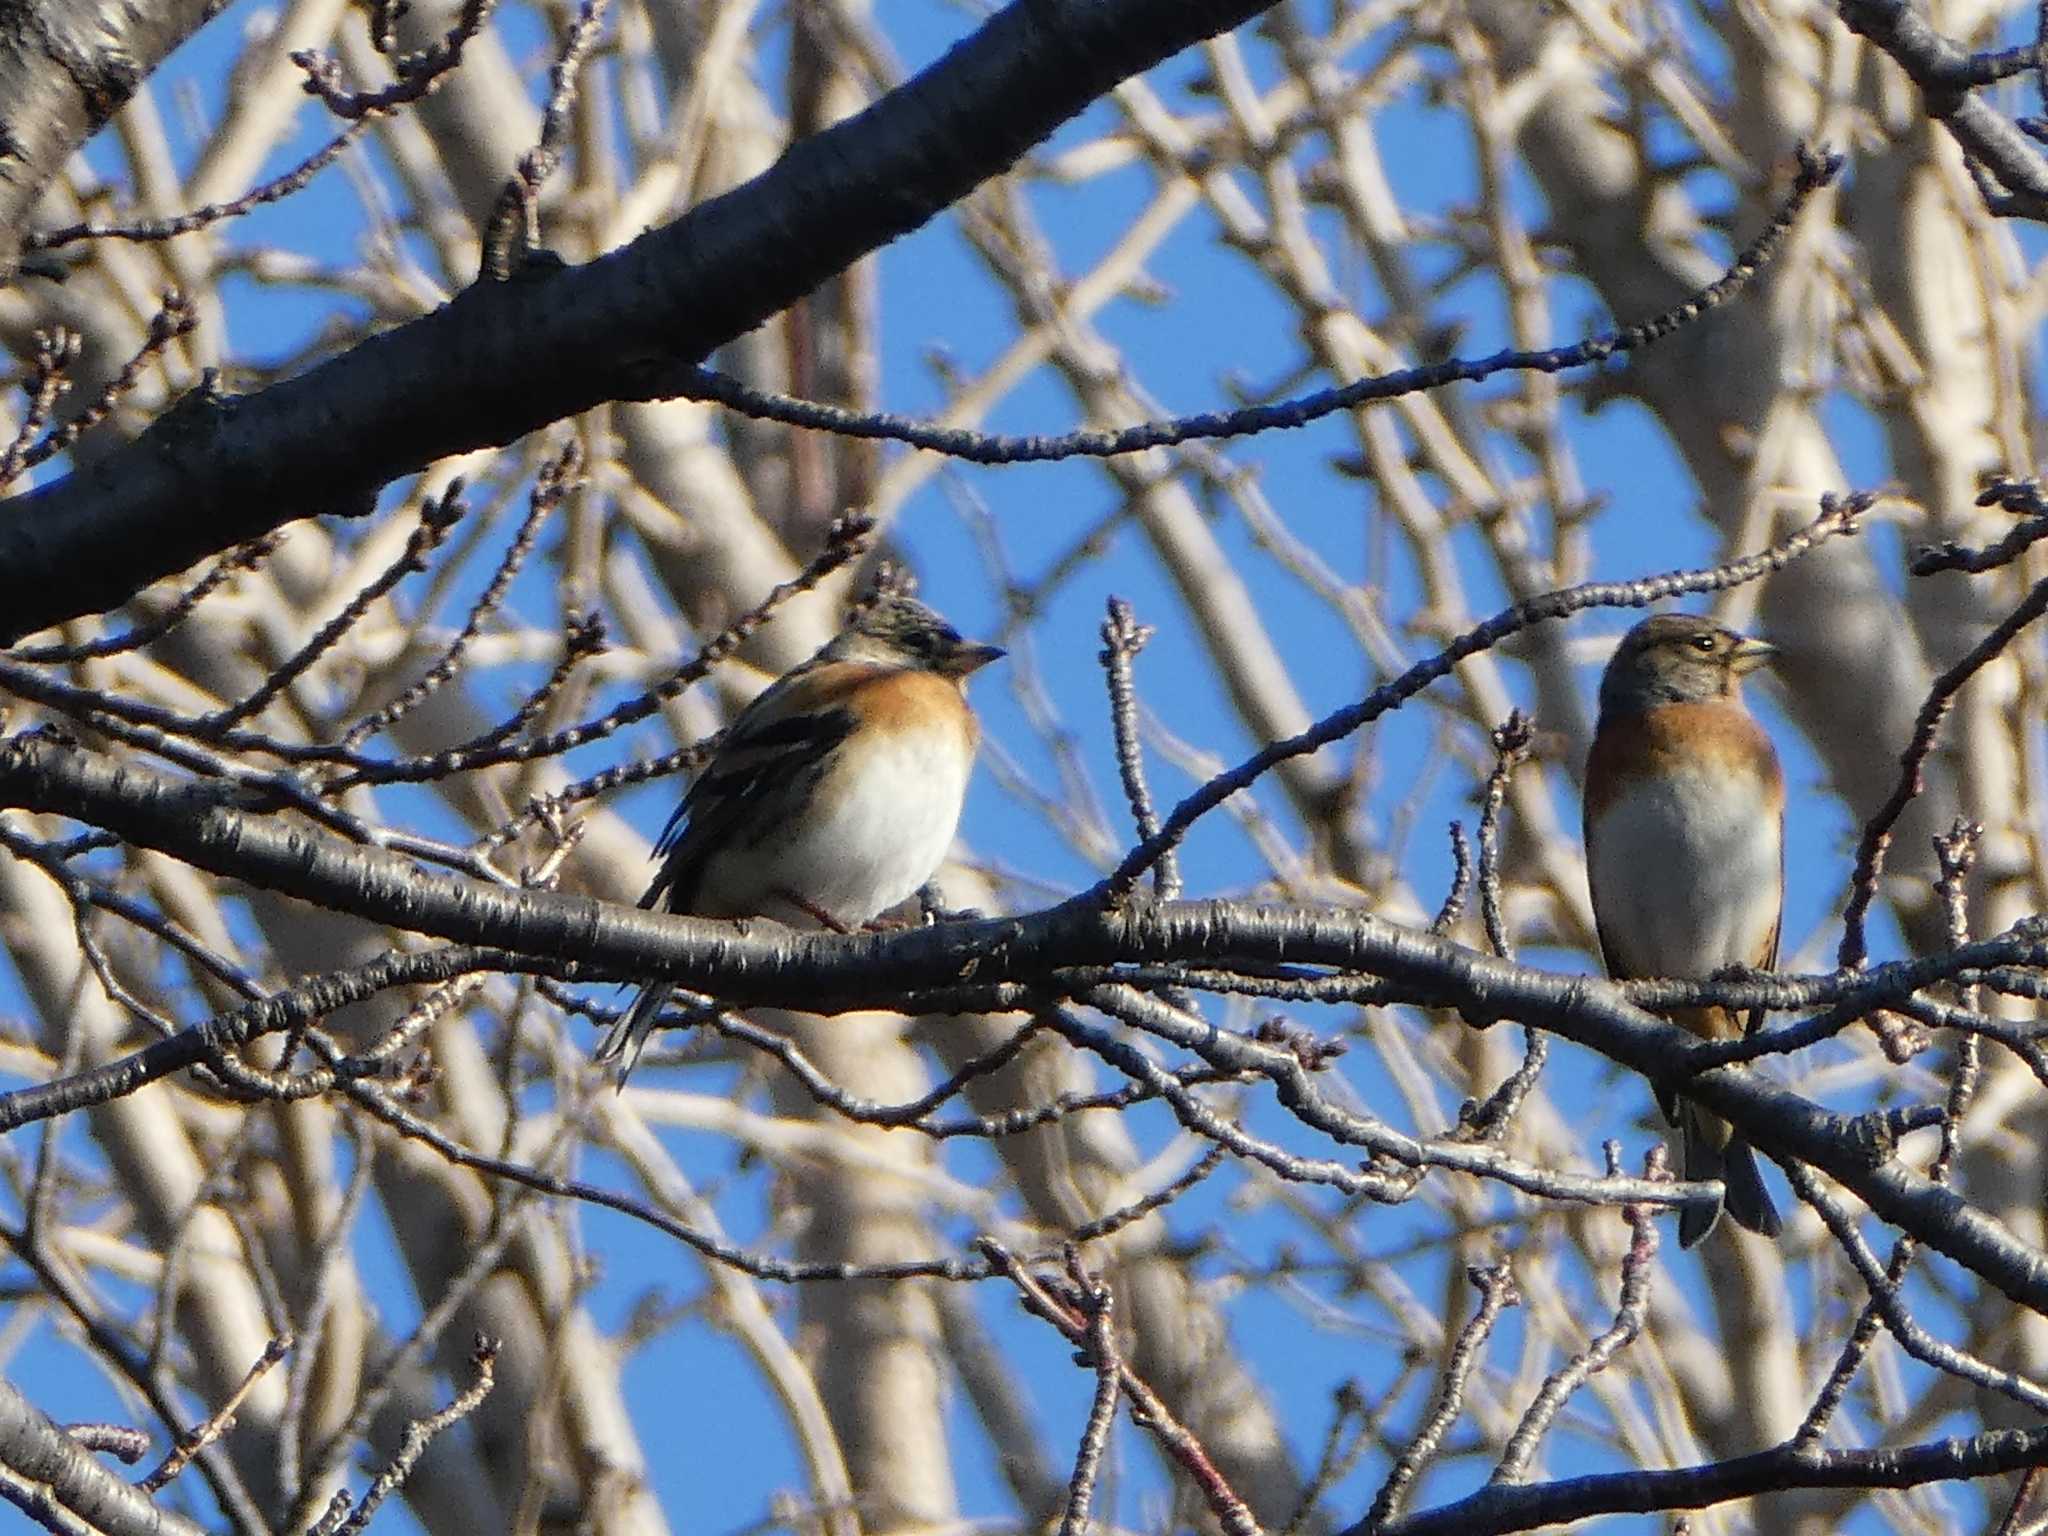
[(834, 796), (1685, 849)]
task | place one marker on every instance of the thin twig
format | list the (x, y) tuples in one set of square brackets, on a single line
[(56, 351), (1956, 853), (417, 74), (419, 1434), (1497, 1292), (1098, 1306), (1887, 1296), (175, 318), (2018, 496), (1055, 1302), (235, 561), (1122, 638), (1452, 911), (1817, 168), (1111, 1222), (221, 1420), (1511, 741), (1629, 1317), (437, 518), (515, 222), (845, 541), (1877, 832), (555, 480), (124, 1442), (2022, 1496), (274, 190), (1337, 1458)]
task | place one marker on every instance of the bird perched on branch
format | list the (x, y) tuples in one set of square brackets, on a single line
[(834, 795), (1685, 822)]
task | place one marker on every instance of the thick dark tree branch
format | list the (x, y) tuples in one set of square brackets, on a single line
[(506, 357), (1498, 1509), (1014, 963)]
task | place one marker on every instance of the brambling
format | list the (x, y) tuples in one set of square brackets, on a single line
[(834, 795), (1685, 835)]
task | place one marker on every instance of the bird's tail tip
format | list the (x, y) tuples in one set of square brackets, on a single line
[(1749, 1202), (627, 1038), (1743, 1195), (1696, 1221)]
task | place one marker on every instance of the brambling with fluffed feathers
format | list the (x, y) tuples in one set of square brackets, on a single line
[(1685, 849), (833, 797)]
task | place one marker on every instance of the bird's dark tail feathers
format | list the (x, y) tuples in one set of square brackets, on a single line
[(629, 1036), (1713, 1151)]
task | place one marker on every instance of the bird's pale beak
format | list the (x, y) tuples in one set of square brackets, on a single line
[(972, 658), (1750, 655)]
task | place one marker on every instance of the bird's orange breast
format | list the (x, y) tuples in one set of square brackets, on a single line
[(916, 703), (1712, 736)]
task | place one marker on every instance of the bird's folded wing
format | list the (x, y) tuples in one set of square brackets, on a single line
[(762, 769)]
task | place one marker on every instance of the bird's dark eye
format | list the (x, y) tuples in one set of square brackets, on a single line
[(1704, 644)]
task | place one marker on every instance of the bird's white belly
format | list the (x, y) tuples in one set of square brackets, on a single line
[(876, 835), (1688, 871)]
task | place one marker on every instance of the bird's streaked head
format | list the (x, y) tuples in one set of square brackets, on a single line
[(1679, 658), (902, 632)]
